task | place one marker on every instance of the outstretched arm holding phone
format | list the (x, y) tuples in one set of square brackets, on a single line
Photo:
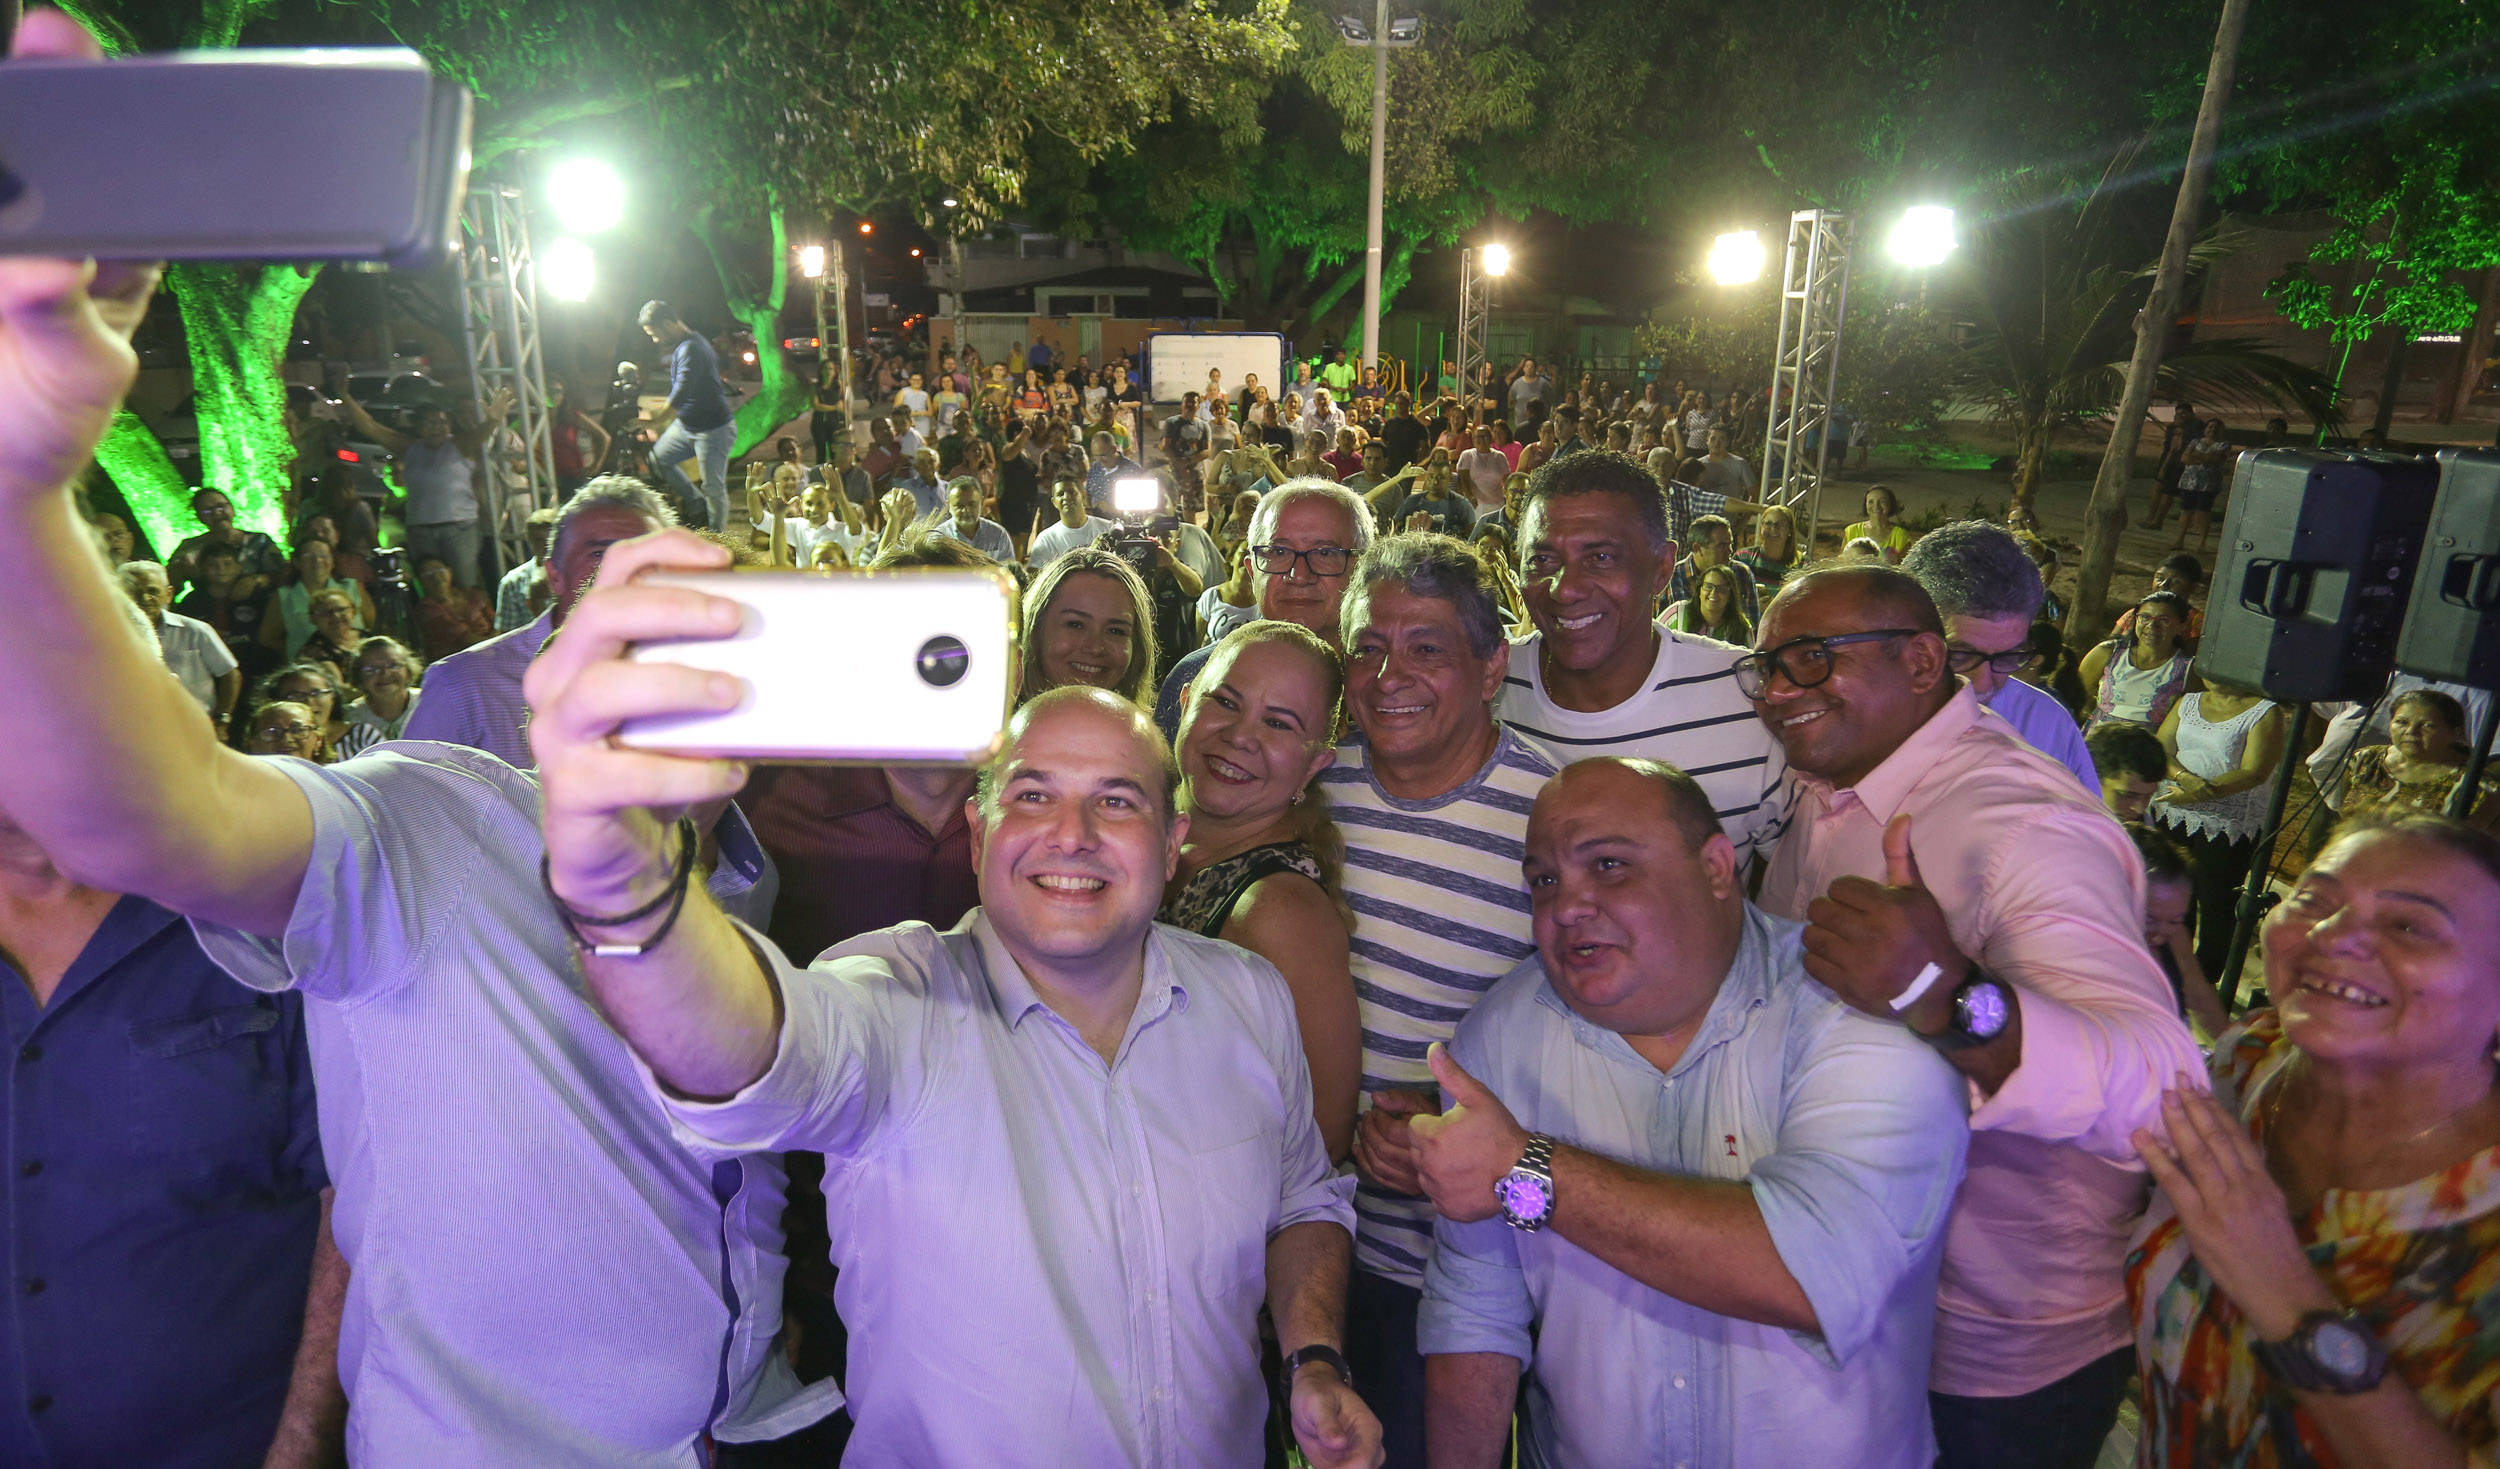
[(113, 769)]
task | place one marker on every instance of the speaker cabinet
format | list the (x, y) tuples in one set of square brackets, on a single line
[(2452, 632), (2318, 558)]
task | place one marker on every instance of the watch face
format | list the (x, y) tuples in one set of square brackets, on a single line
[(1522, 1195), (2340, 1349), (1984, 1010)]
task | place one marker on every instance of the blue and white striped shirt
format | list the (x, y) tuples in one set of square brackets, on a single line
[(1691, 715), (1441, 912)]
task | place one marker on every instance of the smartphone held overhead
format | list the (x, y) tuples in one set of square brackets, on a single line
[(901, 667), (326, 154)]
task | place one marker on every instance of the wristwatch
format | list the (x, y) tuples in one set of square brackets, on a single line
[(1527, 1191), (1982, 1008), (1301, 1357), (2329, 1351)]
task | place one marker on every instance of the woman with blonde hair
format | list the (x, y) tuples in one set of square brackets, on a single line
[(1088, 619), (1262, 865), (1774, 553)]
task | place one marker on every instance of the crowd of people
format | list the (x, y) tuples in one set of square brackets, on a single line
[(1450, 960)]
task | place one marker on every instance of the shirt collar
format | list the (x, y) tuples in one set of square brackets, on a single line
[(1017, 998), (1742, 991), (127, 925), (1887, 787)]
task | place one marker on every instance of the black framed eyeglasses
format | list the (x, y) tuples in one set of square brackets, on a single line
[(1327, 562), (1805, 661), (2004, 665)]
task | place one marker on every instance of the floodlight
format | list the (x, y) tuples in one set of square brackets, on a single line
[(811, 261), (1138, 495), (587, 195), (866, 228), (1923, 237), (1496, 259), (565, 269), (1737, 258)]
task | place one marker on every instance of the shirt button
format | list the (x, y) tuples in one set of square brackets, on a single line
[(30, 1169), (39, 1402), (1679, 1382), (30, 1052), (35, 1286)]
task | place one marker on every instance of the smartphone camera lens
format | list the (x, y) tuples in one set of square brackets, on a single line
[(941, 661)]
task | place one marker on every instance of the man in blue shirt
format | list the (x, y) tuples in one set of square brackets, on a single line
[(697, 419), (1696, 1198), (163, 1192), (1988, 590)]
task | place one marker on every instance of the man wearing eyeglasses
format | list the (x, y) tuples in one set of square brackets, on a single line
[(1988, 590), (1303, 538), (1952, 878)]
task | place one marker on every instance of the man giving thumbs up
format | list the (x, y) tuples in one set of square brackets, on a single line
[(2005, 932)]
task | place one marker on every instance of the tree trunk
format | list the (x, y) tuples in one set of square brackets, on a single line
[(2391, 382), (781, 394), (238, 320), (2477, 340), (2031, 465), (2105, 520)]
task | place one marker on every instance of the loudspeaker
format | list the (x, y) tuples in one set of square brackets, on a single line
[(2452, 629), (2318, 555)]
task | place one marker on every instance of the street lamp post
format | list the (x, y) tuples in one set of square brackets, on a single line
[(1379, 36)]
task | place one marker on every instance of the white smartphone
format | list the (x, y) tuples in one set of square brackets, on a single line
[(914, 666), (355, 153)]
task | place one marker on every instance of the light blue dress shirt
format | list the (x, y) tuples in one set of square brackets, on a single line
[(474, 697), (1851, 1134), (1045, 1260), (543, 1274), (2048, 727)]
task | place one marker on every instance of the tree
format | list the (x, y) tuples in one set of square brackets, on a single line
[(237, 320), (2053, 288), (2381, 114), (763, 110)]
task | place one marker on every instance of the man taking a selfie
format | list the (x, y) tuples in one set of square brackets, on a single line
[(540, 1273)]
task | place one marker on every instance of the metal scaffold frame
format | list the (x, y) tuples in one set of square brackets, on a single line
[(1814, 301), (1475, 316), (499, 321)]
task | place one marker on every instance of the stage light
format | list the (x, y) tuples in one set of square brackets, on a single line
[(1923, 237), (587, 195), (1496, 259), (566, 269), (1737, 258), (811, 261)]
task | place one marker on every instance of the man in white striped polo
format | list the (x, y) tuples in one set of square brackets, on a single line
[(1600, 676), (1433, 799)]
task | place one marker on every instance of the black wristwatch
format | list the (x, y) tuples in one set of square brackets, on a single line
[(2329, 1352), (1301, 1357), (1982, 1008)]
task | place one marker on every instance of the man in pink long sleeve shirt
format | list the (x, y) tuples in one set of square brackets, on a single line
[(1927, 833)]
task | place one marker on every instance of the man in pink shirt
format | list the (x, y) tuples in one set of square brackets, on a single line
[(1956, 879)]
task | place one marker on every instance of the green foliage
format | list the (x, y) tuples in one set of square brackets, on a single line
[(2052, 289), (2383, 114)]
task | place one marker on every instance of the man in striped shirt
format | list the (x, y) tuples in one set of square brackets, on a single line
[(1599, 676), (1433, 800)]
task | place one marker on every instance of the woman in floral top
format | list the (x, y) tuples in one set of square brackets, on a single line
[(2315, 1282), (2421, 763)]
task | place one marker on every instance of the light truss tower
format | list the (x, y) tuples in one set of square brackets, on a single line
[(1475, 314), (1814, 299), (499, 319)]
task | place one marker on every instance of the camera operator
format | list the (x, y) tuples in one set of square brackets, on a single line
[(438, 470), (1172, 584)]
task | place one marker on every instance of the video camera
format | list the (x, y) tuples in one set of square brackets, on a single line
[(1137, 499)]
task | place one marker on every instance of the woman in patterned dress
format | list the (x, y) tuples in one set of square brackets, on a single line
[(2316, 1281), (1261, 862)]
